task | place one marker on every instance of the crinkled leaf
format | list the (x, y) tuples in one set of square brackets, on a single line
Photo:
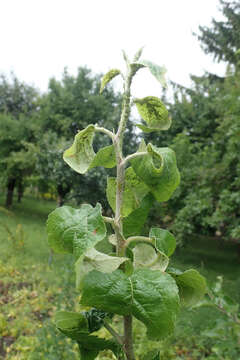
[(192, 285), (75, 326), (134, 192), (75, 230), (150, 296), (105, 157), (81, 154), (157, 71), (133, 223), (154, 112), (158, 170), (164, 240), (108, 77), (95, 260)]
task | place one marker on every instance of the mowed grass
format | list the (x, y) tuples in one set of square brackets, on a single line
[(33, 287)]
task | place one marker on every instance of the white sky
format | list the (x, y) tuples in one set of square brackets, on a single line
[(38, 38)]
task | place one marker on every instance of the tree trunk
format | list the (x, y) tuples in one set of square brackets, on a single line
[(20, 190), (10, 190), (62, 192)]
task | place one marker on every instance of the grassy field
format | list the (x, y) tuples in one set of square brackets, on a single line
[(33, 286)]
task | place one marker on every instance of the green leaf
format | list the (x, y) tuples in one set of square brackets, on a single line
[(154, 112), (150, 296), (154, 255), (192, 285), (71, 324), (134, 192), (146, 255), (95, 260), (133, 223), (157, 71), (75, 326), (105, 157), (108, 77), (80, 155), (164, 240), (158, 170), (75, 230)]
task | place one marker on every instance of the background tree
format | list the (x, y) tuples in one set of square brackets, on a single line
[(222, 39), (18, 129), (69, 106)]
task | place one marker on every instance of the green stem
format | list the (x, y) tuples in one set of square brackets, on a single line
[(113, 333), (133, 156), (105, 131), (142, 239)]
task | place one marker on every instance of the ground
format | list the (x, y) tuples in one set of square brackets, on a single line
[(34, 285)]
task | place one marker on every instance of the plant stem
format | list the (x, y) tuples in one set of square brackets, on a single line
[(113, 333), (105, 131), (118, 143), (142, 239), (133, 156), (128, 337)]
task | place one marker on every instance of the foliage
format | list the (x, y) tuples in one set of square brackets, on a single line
[(132, 280), (222, 39), (17, 132), (212, 209)]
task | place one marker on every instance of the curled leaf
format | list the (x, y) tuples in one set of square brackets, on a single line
[(146, 255), (192, 286), (154, 112), (81, 154), (108, 77), (164, 241), (158, 170)]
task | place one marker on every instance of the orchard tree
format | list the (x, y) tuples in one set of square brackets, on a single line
[(18, 102), (70, 105), (73, 103)]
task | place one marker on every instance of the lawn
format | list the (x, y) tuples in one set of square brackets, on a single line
[(34, 285)]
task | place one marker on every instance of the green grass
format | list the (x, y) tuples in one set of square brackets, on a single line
[(32, 290)]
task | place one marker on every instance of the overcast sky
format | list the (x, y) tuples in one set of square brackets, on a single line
[(40, 37)]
